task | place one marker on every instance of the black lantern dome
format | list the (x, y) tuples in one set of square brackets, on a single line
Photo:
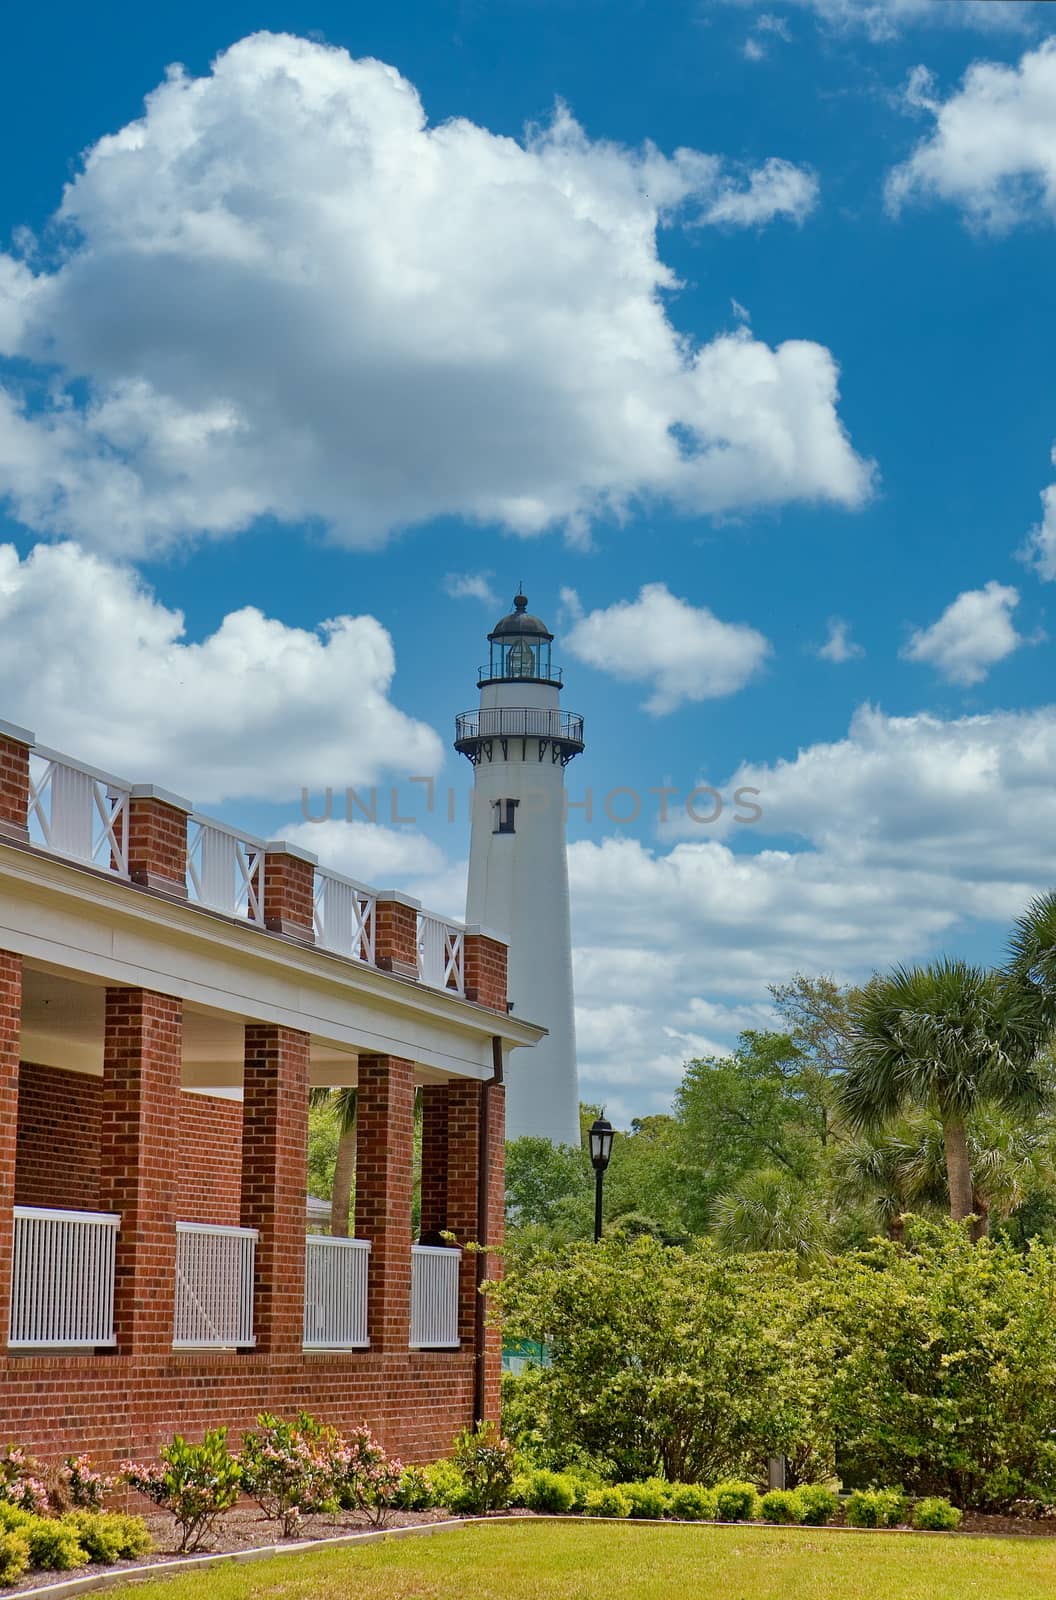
[(520, 648)]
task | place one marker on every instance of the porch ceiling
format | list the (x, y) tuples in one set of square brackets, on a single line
[(62, 1026)]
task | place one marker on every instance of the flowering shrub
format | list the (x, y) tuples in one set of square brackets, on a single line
[(85, 1487), (20, 1483), (364, 1478), (288, 1469), (195, 1483), (487, 1464)]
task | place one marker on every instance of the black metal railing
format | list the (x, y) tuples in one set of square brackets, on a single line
[(518, 722)]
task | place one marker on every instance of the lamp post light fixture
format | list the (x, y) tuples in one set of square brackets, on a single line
[(601, 1136)]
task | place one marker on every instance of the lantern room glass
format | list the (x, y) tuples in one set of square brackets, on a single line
[(520, 656)]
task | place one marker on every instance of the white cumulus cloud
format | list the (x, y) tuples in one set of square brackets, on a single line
[(686, 652), (471, 586), (974, 632), (101, 670), (992, 149), (839, 646), (283, 292), (1040, 549)]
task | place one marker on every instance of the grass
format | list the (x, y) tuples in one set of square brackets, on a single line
[(580, 1561)]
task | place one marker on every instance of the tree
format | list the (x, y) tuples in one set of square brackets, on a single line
[(948, 1038), (341, 1103), (771, 1210)]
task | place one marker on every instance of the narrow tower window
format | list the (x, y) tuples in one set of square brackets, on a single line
[(504, 816)]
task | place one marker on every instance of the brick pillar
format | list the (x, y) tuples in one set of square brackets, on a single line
[(485, 967), (492, 1263), (463, 1143), (434, 1159), (10, 1037), (396, 933), (289, 890), (384, 1183), (157, 839), (15, 744), (138, 1157), (275, 1178)]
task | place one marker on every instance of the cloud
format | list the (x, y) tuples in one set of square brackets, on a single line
[(839, 646), (282, 292), (685, 651), (973, 633), (992, 150), (1040, 549), (911, 835), (882, 20), (101, 670), (368, 851), (471, 586), (776, 189)]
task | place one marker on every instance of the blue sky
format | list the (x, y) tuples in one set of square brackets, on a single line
[(289, 348)]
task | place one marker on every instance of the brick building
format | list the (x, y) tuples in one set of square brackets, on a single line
[(170, 989)]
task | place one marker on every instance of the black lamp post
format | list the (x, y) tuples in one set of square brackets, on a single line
[(601, 1134)]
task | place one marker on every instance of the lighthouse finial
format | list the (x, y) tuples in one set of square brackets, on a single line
[(520, 599)]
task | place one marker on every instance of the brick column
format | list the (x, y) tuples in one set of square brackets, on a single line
[(434, 1159), (485, 967), (463, 1143), (275, 1178), (138, 1156), (289, 890), (492, 1264), (384, 1184), (15, 744), (10, 1037), (157, 839), (396, 933)]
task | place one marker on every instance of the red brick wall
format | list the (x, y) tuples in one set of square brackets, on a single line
[(434, 1157), (157, 844), (384, 1160), (58, 1147), (209, 1181), (14, 786), (58, 1138), (485, 967), (115, 1406)]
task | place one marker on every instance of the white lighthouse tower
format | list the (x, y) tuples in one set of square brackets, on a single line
[(520, 742)]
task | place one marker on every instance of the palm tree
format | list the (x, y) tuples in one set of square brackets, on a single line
[(890, 1173), (948, 1038), (343, 1103), (770, 1209)]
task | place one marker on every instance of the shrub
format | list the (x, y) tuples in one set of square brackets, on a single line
[(109, 1536), (13, 1518), (819, 1504), (84, 1485), (53, 1545), (415, 1492), (582, 1487), (876, 1508), (782, 1505), (548, 1491), (195, 1484), (936, 1514), (288, 1469), (646, 1500), (21, 1484), (486, 1462), (362, 1476), (691, 1503), (736, 1502), (14, 1556), (447, 1486), (607, 1503)]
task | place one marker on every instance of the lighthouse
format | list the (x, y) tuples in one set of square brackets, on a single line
[(520, 742)]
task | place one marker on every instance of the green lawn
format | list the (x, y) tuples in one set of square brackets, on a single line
[(559, 1561)]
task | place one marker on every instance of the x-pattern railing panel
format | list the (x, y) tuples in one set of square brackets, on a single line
[(225, 869), (78, 812)]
